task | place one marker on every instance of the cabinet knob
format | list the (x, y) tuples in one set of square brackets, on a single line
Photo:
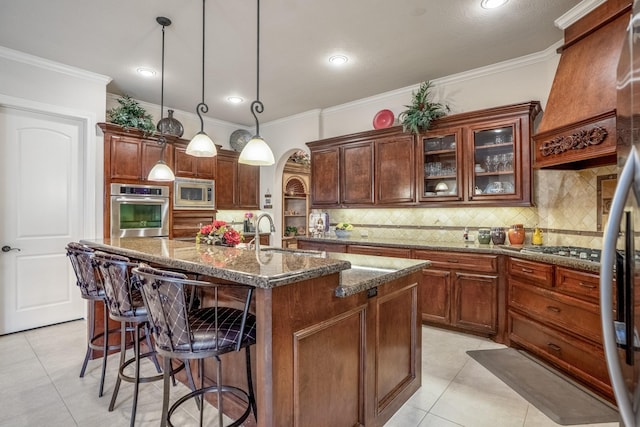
[(554, 347), (553, 308)]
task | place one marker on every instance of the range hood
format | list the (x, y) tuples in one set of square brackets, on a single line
[(578, 127)]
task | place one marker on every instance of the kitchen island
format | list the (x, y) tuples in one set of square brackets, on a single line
[(338, 335)]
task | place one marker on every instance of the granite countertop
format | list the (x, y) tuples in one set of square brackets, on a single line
[(270, 268), (472, 247)]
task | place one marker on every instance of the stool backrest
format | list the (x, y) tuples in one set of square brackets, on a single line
[(120, 287), (166, 297), (87, 278)]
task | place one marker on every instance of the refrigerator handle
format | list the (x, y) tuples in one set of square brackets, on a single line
[(607, 262), (628, 288)]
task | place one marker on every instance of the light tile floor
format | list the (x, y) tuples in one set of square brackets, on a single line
[(40, 386)]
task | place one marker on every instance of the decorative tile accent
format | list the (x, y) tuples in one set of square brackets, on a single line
[(565, 208)]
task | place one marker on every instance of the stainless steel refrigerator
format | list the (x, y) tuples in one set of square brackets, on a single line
[(619, 259)]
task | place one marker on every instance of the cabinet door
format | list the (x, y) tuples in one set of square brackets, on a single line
[(151, 153), (356, 165), (441, 166), (184, 164), (395, 170), (206, 167), (475, 306), (226, 182), (436, 296), (498, 163), (322, 246), (325, 177), (380, 251), (248, 183), (125, 157)]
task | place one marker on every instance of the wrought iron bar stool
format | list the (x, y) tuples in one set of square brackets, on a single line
[(198, 334), (90, 285), (125, 304)]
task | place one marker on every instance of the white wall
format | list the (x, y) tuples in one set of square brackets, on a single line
[(33, 83)]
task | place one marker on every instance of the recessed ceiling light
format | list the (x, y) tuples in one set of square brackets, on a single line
[(492, 4), (235, 99), (338, 59), (146, 72)]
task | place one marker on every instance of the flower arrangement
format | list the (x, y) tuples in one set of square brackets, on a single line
[(219, 233)]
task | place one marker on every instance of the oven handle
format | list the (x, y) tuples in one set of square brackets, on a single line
[(141, 200)]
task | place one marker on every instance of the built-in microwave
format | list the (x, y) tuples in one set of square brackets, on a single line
[(189, 193)]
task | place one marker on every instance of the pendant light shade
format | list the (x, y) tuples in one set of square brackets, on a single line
[(161, 171), (201, 145), (257, 152)]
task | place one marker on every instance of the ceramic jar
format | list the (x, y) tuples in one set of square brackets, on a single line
[(516, 234), (484, 236), (498, 235)]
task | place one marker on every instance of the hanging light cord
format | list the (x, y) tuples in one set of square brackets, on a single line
[(257, 106), (161, 139), (202, 107)]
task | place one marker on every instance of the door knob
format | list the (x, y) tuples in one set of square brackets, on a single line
[(6, 248)]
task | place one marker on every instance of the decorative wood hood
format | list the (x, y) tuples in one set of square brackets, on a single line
[(578, 127)]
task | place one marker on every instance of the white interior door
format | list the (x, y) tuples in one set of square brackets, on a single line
[(41, 211)]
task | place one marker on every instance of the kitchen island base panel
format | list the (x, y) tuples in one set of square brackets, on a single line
[(346, 361)]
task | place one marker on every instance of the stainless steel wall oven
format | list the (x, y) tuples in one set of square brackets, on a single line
[(139, 210)]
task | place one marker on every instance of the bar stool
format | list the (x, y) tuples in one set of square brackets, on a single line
[(197, 334), (88, 281), (126, 306)]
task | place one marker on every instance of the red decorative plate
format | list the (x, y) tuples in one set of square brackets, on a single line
[(383, 119)]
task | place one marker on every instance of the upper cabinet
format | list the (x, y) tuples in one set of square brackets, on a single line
[(237, 185), (481, 157), (193, 167), (364, 169)]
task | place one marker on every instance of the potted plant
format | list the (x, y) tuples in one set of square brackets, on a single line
[(131, 114), (421, 112), (291, 230)]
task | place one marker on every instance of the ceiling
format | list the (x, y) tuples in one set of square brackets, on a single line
[(391, 45)]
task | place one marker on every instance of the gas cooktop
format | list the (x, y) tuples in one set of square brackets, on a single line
[(586, 254)]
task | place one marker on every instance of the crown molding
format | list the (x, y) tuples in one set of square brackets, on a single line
[(49, 65), (576, 13)]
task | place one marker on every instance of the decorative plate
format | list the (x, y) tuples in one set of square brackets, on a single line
[(239, 139), (383, 119)]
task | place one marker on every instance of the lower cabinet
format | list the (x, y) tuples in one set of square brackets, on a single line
[(554, 313), (322, 246), (379, 251), (186, 224), (460, 290)]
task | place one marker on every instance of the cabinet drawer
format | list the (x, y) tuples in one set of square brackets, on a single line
[(580, 358), (322, 246), (459, 260), (572, 314), (379, 251), (579, 283), (536, 272)]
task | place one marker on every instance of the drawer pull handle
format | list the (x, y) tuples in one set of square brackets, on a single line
[(455, 261), (553, 347), (527, 270), (587, 285), (553, 308)]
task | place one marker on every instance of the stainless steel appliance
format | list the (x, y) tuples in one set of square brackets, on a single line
[(139, 210), (619, 314), (189, 193)]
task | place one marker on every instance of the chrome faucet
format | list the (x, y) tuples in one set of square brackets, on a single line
[(256, 239)]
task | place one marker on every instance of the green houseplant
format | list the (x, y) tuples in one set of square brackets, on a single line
[(291, 230), (131, 114), (421, 112)]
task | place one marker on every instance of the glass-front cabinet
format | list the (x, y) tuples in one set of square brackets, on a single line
[(480, 158), (494, 157), (442, 166)]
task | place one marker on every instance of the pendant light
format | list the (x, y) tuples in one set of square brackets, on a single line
[(161, 171), (257, 152), (201, 145)]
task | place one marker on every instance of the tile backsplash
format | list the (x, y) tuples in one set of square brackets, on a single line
[(565, 208)]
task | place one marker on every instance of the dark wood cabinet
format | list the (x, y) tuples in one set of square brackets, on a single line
[(322, 246), (460, 290), (131, 158), (237, 185), (380, 251), (554, 313), (193, 167), (481, 157), (363, 169), (185, 224)]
